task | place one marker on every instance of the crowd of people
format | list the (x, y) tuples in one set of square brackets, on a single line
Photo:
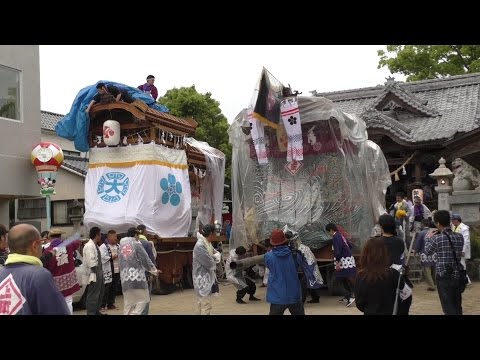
[(39, 270), (381, 284), (38, 275)]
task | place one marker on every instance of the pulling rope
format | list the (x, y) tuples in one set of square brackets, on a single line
[(401, 167)]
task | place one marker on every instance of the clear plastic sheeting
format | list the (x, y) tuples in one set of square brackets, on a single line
[(211, 195), (342, 179), (265, 101), (378, 177)]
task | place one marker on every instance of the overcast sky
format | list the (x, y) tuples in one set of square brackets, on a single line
[(229, 72)]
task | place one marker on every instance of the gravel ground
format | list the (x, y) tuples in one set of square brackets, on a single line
[(183, 302)]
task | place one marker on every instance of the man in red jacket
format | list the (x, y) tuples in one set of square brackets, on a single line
[(62, 265)]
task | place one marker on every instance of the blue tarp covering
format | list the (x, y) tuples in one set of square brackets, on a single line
[(74, 126)]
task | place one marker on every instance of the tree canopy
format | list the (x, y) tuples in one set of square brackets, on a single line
[(186, 102), (421, 62)]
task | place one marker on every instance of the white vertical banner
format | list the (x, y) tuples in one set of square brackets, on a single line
[(140, 184), (291, 120), (258, 137)]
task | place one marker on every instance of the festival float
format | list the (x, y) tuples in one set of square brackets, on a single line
[(145, 167), (300, 161)]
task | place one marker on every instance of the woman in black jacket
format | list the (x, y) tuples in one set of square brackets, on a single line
[(376, 282), (396, 253)]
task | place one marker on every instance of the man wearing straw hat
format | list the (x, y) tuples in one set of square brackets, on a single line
[(62, 265)]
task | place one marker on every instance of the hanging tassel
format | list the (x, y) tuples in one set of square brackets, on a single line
[(397, 178), (147, 137)]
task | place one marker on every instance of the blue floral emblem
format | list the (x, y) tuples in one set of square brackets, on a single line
[(172, 190), (112, 186)]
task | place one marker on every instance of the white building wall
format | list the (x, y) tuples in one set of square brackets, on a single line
[(17, 138)]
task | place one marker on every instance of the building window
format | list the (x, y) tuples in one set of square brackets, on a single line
[(32, 209), (9, 93), (61, 211)]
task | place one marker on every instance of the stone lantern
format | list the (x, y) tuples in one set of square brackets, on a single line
[(443, 175)]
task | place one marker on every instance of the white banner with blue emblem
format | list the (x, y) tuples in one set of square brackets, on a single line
[(138, 184)]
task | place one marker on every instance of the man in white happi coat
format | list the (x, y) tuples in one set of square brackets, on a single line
[(93, 273), (459, 227), (205, 258), (111, 269), (134, 261), (237, 277)]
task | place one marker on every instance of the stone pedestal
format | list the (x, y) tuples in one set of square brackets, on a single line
[(467, 204), (76, 220), (76, 217), (443, 192)]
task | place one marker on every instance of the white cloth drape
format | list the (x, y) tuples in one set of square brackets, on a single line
[(141, 184)]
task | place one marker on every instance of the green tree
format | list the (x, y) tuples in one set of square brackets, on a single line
[(420, 62), (186, 102)]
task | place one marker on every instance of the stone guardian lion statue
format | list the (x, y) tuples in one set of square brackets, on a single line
[(466, 176)]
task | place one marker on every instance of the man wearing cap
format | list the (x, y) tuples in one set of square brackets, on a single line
[(134, 262), (204, 264), (62, 265), (459, 227), (284, 290)]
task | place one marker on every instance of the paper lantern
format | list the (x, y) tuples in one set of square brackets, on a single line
[(111, 132)]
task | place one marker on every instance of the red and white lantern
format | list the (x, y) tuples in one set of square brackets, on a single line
[(111, 132)]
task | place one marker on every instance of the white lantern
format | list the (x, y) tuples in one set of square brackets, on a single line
[(111, 132)]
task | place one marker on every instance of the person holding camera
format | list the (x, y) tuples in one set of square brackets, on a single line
[(448, 246)]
